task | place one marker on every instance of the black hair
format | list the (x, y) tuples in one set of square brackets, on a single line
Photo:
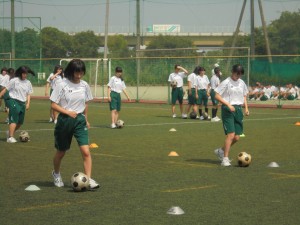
[(237, 68), (119, 69), (75, 65), (56, 68), (23, 69), (3, 69), (197, 70), (176, 65), (201, 68), (216, 70), (11, 72)]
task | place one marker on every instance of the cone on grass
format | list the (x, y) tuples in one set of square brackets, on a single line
[(173, 153), (273, 164), (297, 123), (175, 210), (94, 145), (172, 130), (32, 188)]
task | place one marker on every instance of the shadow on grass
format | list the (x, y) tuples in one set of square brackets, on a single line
[(211, 161)]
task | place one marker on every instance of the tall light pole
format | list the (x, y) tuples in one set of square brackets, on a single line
[(12, 27), (138, 45)]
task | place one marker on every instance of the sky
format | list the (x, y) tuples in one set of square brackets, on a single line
[(192, 15)]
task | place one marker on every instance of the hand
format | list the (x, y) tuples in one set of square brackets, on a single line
[(128, 99), (27, 106), (197, 96), (208, 94), (109, 99), (46, 94), (190, 92), (232, 109), (247, 113), (88, 125), (72, 114)]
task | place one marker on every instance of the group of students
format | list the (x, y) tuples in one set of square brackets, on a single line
[(231, 93), (199, 89), (260, 92)]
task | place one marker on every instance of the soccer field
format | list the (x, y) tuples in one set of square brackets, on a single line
[(140, 182)]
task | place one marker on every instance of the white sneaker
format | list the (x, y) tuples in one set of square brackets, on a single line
[(57, 180), (201, 118), (198, 117), (11, 140), (215, 119), (225, 162), (93, 184), (113, 126), (219, 153), (50, 120), (55, 121), (174, 116), (184, 116)]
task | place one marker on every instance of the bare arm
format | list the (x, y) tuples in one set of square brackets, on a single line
[(220, 99), (60, 109), (47, 89), (28, 102), (2, 92), (86, 115), (125, 92), (246, 106), (108, 94), (183, 69)]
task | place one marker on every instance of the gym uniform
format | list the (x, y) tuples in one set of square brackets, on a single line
[(117, 85), (177, 92), (192, 96), (202, 83), (72, 97), (54, 82), (233, 92), (291, 94), (214, 82), (18, 92), (3, 84)]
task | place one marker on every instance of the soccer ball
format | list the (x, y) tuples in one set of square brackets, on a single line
[(120, 123), (206, 116), (244, 159), (80, 182), (173, 83), (193, 115), (24, 136)]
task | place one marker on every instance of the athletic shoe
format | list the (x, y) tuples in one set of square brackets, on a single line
[(113, 126), (55, 121), (93, 184), (201, 118), (198, 117), (11, 140), (174, 116), (225, 162), (57, 180), (208, 118), (219, 153), (215, 119), (184, 116), (50, 120)]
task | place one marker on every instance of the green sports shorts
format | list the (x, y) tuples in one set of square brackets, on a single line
[(213, 97), (290, 97), (232, 121), (67, 127), (177, 94), (17, 111), (192, 97), (115, 103), (264, 98), (202, 97)]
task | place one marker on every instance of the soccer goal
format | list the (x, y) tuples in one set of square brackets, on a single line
[(6, 60), (98, 72)]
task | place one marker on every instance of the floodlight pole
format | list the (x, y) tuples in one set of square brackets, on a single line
[(252, 41), (12, 27), (138, 45)]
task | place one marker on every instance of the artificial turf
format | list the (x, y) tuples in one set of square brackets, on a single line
[(140, 182)]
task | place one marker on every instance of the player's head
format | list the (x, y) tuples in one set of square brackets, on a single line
[(58, 68), (237, 71), (217, 71), (75, 70), (11, 72), (176, 68), (3, 70), (201, 70), (22, 72), (197, 70)]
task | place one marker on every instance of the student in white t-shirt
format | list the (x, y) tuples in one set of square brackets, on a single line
[(2, 75), (202, 84), (20, 90), (232, 93), (116, 86), (53, 80), (70, 98)]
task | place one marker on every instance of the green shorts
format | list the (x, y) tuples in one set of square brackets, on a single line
[(115, 103), (213, 97), (192, 97), (202, 97), (66, 127), (232, 121), (177, 94), (264, 98), (290, 97), (17, 111)]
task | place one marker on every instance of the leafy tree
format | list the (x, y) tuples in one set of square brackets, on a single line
[(85, 45), (118, 46), (27, 44)]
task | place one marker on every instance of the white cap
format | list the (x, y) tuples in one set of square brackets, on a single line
[(216, 65)]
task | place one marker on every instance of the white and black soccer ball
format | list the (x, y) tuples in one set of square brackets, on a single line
[(193, 115), (173, 83), (244, 159), (120, 124), (24, 136), (80, 182)]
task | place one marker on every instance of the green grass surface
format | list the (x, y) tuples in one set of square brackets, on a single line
[(140, 182)]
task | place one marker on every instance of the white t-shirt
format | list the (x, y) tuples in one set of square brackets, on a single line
[(54, 82), (116, 84), (71, 96), (202, 82), (19, 89), (214, 81), (292, 91), (233, 91), (191, 78), (178, 77), (267, 92), (5, 80)]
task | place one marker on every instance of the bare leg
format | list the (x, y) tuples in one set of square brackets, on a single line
[(87, 160), (57, 160), (230, 140), (173, 109)]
